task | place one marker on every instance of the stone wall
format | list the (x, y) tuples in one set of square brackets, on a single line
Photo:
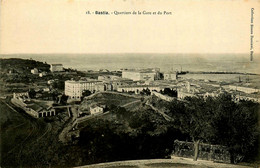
[(20, 104), (161, 96), (210, 152)]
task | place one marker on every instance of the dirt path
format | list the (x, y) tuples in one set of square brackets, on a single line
[(63, 135), (166, 117), (130, 103)]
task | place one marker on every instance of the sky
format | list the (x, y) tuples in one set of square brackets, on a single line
[(62, 26)]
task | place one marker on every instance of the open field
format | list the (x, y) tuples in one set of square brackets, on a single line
[(112, 98)]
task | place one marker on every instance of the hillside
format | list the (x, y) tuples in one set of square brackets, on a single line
[(21, 66)]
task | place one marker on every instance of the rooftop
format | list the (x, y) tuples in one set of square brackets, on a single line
[(94, 106), (141, 86), (38, 105), (81, 81), (170, 72)]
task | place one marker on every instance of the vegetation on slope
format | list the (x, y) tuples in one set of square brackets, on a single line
[(22, 66)]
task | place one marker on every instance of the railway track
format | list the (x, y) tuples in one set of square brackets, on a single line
[(34, 132), (19, 125), (49, 128)]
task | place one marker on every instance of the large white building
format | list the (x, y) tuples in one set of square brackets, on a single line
[(170, 75), (74, 89), (112, 82), (56, 67), (142, 74)]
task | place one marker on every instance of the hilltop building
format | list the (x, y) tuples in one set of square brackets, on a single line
[(34, 71), (56, 68), (149, 74)]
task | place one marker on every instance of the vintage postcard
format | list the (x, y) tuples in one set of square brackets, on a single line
[(130, 83)]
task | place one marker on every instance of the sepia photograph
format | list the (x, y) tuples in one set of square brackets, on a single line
[(129, 84)]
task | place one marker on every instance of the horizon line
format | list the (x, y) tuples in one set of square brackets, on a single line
[(124, 53)]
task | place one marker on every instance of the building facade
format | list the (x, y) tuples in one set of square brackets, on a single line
[(181, 94), (56, 67), (33, 108), (95, 109), (112, 82), (243, 89), (142, 74), (138, 88), (170, 75), (74, 89)]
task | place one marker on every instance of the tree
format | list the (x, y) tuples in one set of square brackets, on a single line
[(236, 125), (218, 121), (86, 93), (59, 84), (170, 92), (63, 99), (199, 123), (145, 92), (32, 93)]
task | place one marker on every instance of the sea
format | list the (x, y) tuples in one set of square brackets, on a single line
[(166, 62)]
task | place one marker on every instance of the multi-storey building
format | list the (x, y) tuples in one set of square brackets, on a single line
[(111, 82), (170, 75), (142, 74), (74, 89)]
